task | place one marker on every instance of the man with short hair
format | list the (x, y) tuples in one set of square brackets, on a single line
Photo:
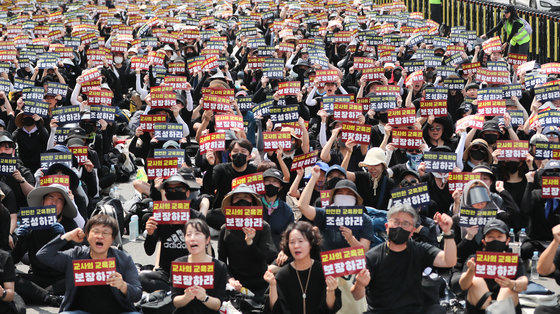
[(395, 283)]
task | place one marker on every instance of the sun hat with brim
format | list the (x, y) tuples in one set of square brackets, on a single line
[(274, 173), (552, 164), (483, 168), (374, 156), (20, 116), (172, 143), (496, 224), (242, 188), (346, 184), (483, 144), (77, 132), (188, 175), (75, 141), (35, 198), (176, 178), (292, 132), (538, 138)]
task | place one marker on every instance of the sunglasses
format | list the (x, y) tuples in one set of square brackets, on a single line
[(435, 128)]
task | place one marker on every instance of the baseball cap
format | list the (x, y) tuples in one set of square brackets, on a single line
[(496, 224), (273, 173)]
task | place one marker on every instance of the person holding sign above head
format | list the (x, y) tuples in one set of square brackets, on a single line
[(43, 284), (393, 274), (300, 286), (482, 289), (246, 250), (195, 299), (110, 284)]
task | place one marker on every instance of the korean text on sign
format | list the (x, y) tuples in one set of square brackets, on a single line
[(213, 141), (7, 165), (361, 133), (254, 181), (550, 187), (171, 212), (55, 179), (147, 121), (440, 161), (547, 150), (416, 196), (238, 217), (38, 217), (347, 216), (184, 275), (228, 122), (401, 116), (80, 152), (512, 150), (343, 262), (161, 167), (325, 198), (492, 264), (470, 216), (305, 160), (407, 138), (273, 140), (457, 180), (48, 159), (93, 272)]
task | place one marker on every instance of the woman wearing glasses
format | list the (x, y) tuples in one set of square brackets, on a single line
[(122, 287)]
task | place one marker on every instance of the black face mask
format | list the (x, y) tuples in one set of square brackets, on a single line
[(28, 121), (478, 155), (383, 117), (243, 203), (496, 246), (189, 55), (176, 195), (332, 183), (512, 166), (271, 190), (398, 235), (239, 159), (4, 155), (490, 138), (388, 74)]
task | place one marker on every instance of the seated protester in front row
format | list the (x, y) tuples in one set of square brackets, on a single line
[(7, 278), (290, 290), (43, 284), (549, 265), (123, 287), (482, 291), (343, 194), (247, 252), (170, 235), (394, 269), (195, 299)]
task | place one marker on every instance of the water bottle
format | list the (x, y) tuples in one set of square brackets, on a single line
[(133, 228), (534, 262), (514, 246), (522, 236), (113, 193)]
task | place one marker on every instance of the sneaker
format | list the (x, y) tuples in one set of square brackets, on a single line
[(53, 300)]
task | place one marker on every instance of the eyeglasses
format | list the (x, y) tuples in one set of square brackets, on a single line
[(415, 151), (397, 223), (435, 128), (105, 234)]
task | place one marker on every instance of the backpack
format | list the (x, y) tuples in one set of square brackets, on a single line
[(112, 207)]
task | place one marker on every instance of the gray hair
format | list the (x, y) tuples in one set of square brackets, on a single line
[(403, 208)]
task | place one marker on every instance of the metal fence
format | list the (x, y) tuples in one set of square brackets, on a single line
[(481, 16)]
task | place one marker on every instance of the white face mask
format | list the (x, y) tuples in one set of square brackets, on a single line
[(442, 176), (344, 200), (118, 60)]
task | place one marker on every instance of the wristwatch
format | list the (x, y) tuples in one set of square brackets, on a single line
[(206, 299), (451, 235), (3, 294)]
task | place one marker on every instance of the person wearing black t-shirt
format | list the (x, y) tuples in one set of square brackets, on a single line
[(393, 274), (7, 278), (481, 291), (549, 265), (223, 175)]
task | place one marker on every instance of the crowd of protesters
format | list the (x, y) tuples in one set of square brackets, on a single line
[(355, 105)]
